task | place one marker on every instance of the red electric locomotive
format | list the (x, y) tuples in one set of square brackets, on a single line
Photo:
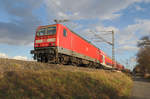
[(58, 44)]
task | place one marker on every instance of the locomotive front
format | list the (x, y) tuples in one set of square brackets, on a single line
[(45, 44)]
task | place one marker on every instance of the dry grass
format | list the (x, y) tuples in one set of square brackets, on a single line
[(26, 80)]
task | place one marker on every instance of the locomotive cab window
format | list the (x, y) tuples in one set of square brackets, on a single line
[(47, 31), (64, 32), (51, 30), (41, 32)]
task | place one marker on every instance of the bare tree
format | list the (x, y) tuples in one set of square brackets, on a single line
[(143, 56)]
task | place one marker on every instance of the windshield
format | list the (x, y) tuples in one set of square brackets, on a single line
[(41, 32), (47, 31), (51, 30)]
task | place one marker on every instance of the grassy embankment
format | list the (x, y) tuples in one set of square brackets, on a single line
[(26, 80)]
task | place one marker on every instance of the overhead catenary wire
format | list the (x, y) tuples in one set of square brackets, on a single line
[(110, 43)]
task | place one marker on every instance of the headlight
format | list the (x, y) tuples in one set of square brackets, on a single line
[(39, 41), (53, 44), (51, 40)]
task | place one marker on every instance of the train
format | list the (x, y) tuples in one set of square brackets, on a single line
[(57, 44)]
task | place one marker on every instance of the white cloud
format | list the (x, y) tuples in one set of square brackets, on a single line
[(147, 1), (62, 15), (109, 28), (104, 32), (142, 25), (21, 22), (128, 48), (138, 8), (58, 2), (20, 58), (126, 39), (129, 36), (87, 9), (3, 55)]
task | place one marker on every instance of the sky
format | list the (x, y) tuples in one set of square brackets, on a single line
[(130, 20)]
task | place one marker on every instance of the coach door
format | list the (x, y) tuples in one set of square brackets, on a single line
[(103, 59)]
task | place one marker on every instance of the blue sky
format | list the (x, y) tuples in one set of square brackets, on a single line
[(130, 19)]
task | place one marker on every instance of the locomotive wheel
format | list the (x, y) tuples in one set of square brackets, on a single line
[(61, 59), (73, 64), (38, 60), (90, 64)]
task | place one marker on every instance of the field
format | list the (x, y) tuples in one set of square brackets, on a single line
[(33, 80)]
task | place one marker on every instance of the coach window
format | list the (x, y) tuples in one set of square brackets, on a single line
[(64, 32)]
